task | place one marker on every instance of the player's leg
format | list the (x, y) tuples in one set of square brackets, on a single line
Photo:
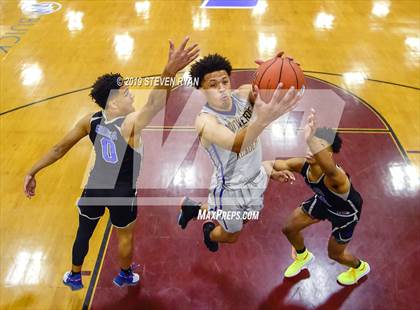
[(219, 234), (251, 200), (358, 268), (337, 251), (88, 219), (123, 218), (310, 212), (226, 232), (343, 228), (125, 245), (295, 223)]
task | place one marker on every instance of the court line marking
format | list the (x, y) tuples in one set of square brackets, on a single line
[(104, 245), (367, 79), (60, 95), (342, 76), (42, 100), (244, 69), (387, 130), (384, 121), (98, 266)]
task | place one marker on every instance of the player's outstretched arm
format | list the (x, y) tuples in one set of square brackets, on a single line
[(264, 113), (292, 164), (178, 59), (79, 131), (320, 153), (283, 173)]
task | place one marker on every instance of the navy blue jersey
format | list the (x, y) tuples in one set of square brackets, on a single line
[(339, 203), (117, 164)]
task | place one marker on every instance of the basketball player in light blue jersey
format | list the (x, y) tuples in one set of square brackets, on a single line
[(229, 125)]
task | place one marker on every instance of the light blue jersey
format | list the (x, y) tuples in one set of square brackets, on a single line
[(232, 170)]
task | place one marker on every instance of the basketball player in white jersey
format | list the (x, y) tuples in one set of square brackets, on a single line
[(229, 125), (115, 133)]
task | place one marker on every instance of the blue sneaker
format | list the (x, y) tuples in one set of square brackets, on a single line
[(123, 279), (73, 281)]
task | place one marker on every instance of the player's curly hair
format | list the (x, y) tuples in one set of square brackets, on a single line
[(209, 64), (331, 136), (103, 86)]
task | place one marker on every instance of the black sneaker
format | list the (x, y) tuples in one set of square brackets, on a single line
[(207, 228), (188, 210)]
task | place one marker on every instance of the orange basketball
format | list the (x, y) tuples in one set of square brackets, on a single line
[(276, 70)]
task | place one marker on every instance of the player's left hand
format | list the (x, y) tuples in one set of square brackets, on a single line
[(29, 186), (310, 126), (180, 57), (283, 176)]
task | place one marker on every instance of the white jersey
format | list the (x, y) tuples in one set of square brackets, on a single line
[(232, 170)]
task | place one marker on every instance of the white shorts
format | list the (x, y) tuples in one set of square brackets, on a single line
[(249, 198)]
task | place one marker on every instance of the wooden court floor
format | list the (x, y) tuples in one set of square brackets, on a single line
[(369, 48)]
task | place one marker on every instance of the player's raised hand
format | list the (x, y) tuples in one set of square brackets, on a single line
[(279, 104), (29, 185), (180, 57), (310, 126)]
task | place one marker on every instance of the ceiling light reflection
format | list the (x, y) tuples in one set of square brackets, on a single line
[(404, 177), (324, 21), (142, 9), (260, 8), (380, 8), (26, 269), (201, 20), (31, 74), (267, 44), (123, 45), (354, 78), (74, 20)]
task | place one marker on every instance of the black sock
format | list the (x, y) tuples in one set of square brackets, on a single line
[(75, 273), (358, 265), (126, 271), (301, 251)]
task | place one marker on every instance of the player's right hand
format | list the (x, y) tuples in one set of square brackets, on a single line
[(279, 104), (29, 185)]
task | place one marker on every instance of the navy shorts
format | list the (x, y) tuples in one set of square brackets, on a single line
[(121, 203), (343, 221)]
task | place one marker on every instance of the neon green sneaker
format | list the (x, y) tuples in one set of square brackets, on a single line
[(301, 262), (353, 275)]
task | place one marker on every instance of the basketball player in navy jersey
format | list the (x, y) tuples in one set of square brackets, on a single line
[(335, 200), (115, 133), (229, 125)]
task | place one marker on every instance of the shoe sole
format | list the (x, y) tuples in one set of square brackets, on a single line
[(125, 284), (355, 282), (72, 287), (303, 267)]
